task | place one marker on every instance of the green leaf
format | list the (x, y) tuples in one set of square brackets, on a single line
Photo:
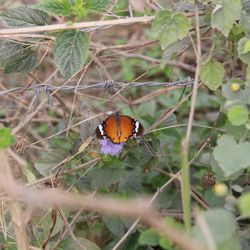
[(174, 48), (245, 17), (244, 204), (170, 27), (71, 52), (219, 223), (79, 9), (166, 243), (225, 13), (231, 157), (149, 237), (51, 158), (97, 5), (6, 138), (243, 54), (16, 58), (115, 225), (57, 7), (47, 221), (131, 181), (8, 49), (23, 61), (24, 17), (81, 243), (212, 73), (237, 115), (104, 177), (246, 48)]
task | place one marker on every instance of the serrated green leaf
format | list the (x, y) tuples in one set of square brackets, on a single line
[(174, 48), (237, 115), (23, 61), (79, 9), (71, 52), (219, 223), (97, 5), (231, 157), (244, 204), (149, 237), (244, 56), (7, 49), (159, 20), (212, 73), (57, 7), (16, 58), (6, 138), (24, 17), (224, 15), (170, 27)]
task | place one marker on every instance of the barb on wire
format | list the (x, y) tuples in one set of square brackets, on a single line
[(38, 90), (108, 84)]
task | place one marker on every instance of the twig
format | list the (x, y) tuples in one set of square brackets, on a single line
[(69, 229), (81, 25), (53, 224)]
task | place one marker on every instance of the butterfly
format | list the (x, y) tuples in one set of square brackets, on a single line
[(119, 128)]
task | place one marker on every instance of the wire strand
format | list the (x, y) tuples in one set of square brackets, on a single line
[(108, 84)]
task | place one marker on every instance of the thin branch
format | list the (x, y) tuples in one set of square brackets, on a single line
[(81, 25)]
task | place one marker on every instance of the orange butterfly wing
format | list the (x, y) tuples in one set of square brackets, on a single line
[(119, 129)]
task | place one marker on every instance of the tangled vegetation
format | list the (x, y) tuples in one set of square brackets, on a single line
[(179, 69)]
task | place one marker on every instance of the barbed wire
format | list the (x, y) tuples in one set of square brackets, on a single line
[(107, 84)]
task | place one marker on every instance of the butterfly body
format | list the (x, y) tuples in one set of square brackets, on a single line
[(119, 128)]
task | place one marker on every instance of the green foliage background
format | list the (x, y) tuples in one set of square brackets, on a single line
[(161, 51)]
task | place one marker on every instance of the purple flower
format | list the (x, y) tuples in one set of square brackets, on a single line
[(109, 148)]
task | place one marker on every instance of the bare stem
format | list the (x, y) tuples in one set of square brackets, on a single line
[(186, 190), (81, 25)]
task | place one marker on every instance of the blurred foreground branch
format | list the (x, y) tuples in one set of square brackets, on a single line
[(132, 209), (15, 207)]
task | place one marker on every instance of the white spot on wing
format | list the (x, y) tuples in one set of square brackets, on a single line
[(100, 127), (137, 124)]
